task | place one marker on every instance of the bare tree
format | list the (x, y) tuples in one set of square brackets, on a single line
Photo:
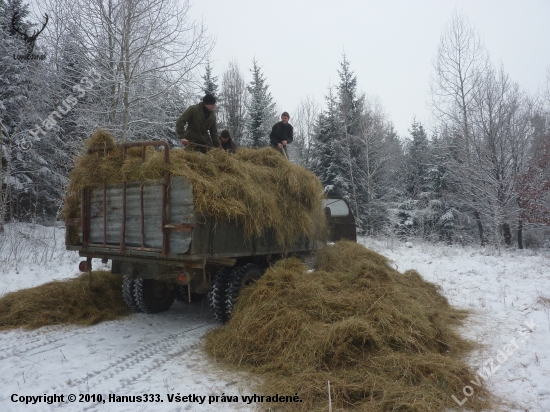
[(501, 129), (142, 48), (304, 119), (459, 67), (233, 101)]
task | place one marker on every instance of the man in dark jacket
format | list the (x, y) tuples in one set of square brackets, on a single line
[(200, 119), (281, 134), (227, 142)]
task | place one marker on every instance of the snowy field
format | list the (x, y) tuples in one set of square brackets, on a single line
[(510, 298), (160, 355)]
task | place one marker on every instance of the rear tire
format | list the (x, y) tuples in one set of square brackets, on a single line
[(153, 296), (216, 296), (128, 293), (240, 277)]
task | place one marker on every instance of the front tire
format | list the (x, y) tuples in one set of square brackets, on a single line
[(216, 296), (153, 296)]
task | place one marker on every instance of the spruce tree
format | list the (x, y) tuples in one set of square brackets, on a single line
[(418, 161), (442, 189), (351, 145), (260, 110), (337, 144), (327, 164), (350, 104), (210, 85), (356, 153)]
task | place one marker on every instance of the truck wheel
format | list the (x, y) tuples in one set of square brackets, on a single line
[(128, 293), (153, 296), (240, 277), (216, 296)]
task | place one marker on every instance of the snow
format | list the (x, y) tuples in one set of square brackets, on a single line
[(162, 354)]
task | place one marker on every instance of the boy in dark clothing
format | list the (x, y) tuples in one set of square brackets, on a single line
[(227, 142), (200, 120), (281, 134)]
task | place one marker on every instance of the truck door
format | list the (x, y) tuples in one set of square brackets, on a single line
[(340, 220)]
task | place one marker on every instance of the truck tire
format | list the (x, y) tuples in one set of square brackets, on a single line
[(128, 293), (240, 277), (216, 296), (153, 296)]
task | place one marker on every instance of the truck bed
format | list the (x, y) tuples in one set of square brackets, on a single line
[(190, 236)]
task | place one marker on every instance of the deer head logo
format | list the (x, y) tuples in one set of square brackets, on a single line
[(29, 40)]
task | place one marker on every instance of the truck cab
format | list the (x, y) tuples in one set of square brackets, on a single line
[(340, 219)]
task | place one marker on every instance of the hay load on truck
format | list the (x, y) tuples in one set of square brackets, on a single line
[(182, 225)]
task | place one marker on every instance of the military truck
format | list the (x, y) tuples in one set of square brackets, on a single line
[(166, 251)]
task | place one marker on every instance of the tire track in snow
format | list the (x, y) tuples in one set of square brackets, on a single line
[(29, 337), (41, 338), (144, 359)]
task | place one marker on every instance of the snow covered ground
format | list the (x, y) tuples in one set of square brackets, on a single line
[(510, 297), (144, 354), (161, 354)]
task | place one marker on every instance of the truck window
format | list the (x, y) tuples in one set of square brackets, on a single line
[(337, 207)]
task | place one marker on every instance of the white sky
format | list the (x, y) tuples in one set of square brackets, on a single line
[(389, 43)]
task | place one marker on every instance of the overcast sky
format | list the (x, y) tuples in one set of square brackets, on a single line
[(389, 43)]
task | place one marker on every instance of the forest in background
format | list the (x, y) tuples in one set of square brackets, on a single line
[(480, 175)]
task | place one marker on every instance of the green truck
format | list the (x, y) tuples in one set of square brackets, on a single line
[(165, 251)]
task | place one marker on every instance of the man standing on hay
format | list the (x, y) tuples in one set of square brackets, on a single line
[(200, 119), (281, 134)]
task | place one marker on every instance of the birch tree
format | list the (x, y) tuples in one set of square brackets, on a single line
[(143, 49), (459, 68)]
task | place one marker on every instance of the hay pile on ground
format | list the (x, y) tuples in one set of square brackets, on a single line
[(68, 301), (259, 188), (386, 341)]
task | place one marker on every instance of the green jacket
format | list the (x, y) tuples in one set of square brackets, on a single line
[(198, 126)]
